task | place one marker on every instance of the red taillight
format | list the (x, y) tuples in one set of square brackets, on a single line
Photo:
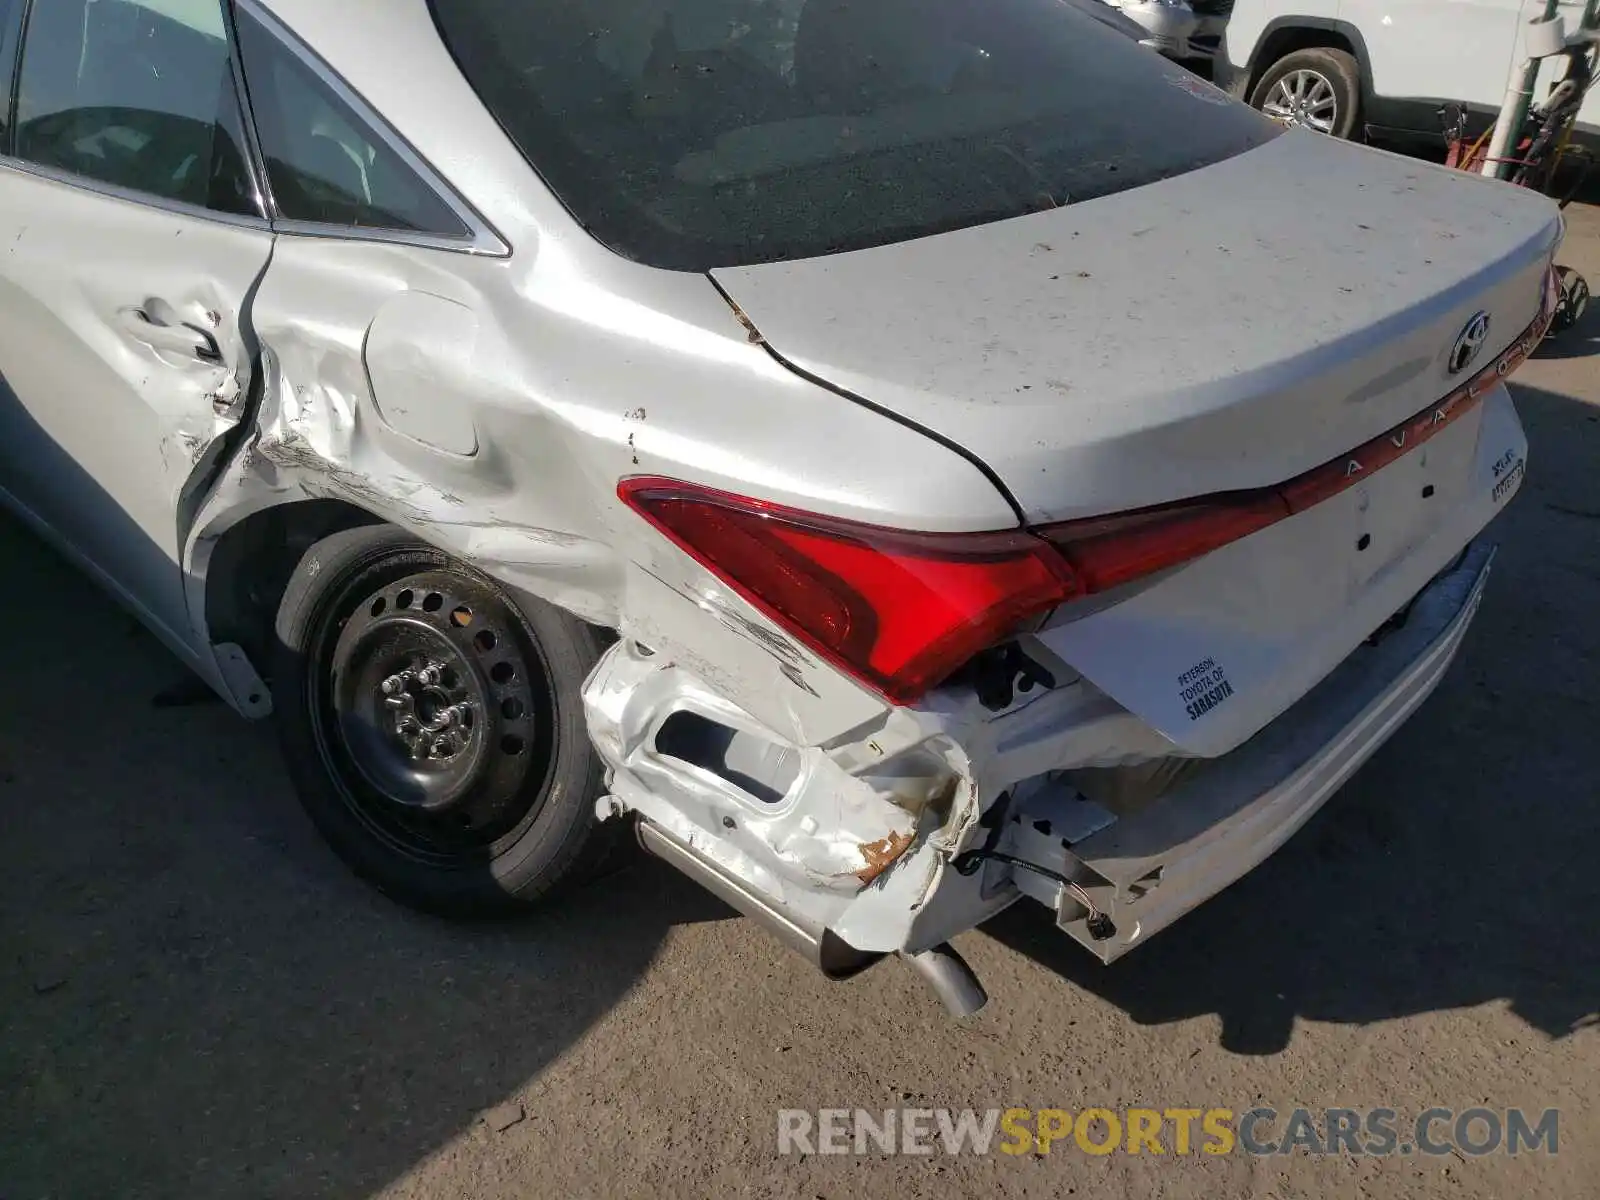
[(1107, 552), (901, 611), (898, 610)]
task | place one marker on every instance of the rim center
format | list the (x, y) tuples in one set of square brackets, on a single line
[(429, 713)]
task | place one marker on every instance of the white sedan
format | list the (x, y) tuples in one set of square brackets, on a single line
[(901, 458)]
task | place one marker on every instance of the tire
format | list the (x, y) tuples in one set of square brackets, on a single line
[(1313, 83), (433, 729)]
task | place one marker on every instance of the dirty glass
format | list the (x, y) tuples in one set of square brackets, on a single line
[(326, 164), (136, 93), (698, 133)]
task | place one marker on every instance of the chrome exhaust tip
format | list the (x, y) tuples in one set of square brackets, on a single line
[(952, 980)]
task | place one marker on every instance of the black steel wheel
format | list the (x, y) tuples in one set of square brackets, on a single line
[(433, 712), (433, 726)]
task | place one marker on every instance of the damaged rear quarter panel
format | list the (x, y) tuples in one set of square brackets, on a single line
[(578, 378), (583, 370)]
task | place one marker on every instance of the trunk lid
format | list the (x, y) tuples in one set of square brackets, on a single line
[(1228, 328), (1212, 652)]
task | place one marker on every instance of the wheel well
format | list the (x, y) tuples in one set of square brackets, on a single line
[(1289, 38), (252, 563)]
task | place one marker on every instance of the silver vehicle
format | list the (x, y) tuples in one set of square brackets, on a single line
[(1107, 14), (820, 435), (1181, 29)]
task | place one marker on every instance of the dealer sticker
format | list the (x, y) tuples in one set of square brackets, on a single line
[(1203, 687)]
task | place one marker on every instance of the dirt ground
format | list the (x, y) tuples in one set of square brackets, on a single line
[(196, 1001)]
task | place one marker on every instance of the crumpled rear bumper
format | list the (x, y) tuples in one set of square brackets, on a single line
[(849, 850), (1147, 869)]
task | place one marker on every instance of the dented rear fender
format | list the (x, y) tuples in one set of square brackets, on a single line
[(491, 407)]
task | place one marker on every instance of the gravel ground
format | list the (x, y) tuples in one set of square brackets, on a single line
[(195, 1001)]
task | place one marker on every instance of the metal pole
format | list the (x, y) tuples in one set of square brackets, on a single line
[(1514, 110)]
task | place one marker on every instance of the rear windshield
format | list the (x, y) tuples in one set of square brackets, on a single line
[(692, 134)]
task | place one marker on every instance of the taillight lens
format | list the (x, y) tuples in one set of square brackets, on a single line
[(898, 610), (1107, 552)]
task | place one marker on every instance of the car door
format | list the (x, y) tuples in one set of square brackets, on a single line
[(133, 238), (1437, 49)]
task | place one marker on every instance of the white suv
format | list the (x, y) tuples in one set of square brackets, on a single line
[(1347, 67)]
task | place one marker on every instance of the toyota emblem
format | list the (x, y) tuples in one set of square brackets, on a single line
[(1469, 343)]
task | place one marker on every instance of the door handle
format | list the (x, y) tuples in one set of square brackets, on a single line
[(174, 338)]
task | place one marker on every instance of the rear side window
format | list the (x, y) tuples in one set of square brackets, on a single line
[(702, 133), (135, 93), (326, 163)]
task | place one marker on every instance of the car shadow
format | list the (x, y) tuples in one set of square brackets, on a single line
[(1456, 868), (196, 999)]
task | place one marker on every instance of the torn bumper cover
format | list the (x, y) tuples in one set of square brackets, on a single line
[(1147, 869), (848, 851)]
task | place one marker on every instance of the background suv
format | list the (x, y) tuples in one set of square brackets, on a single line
[(1384, 67)]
